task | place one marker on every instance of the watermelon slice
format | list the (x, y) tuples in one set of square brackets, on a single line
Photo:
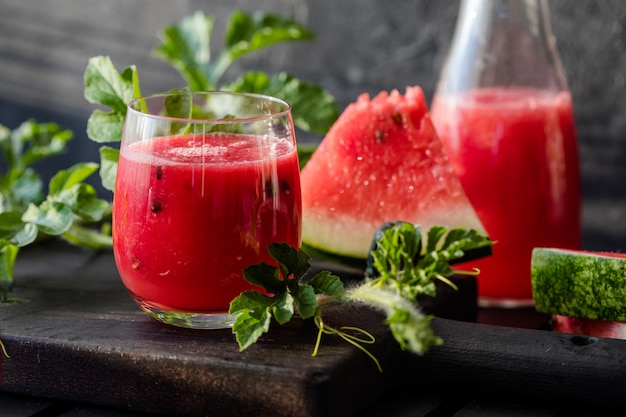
[(589, 327), (381, 161), (585, 291), (584, 284)]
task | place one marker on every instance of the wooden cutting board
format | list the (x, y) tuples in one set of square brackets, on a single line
[(79, 336)]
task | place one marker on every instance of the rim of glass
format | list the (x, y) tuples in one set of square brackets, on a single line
[(286, 110)]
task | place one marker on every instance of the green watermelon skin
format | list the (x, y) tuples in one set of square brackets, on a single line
[(381, 161), (582, 284)]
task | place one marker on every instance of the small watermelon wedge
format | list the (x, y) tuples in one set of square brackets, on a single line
[(589, 327), (580, 284), (381, 161)]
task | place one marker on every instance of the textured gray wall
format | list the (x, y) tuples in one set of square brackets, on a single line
[(361, 46)]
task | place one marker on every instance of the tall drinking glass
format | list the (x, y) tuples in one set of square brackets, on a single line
[(205, 183)]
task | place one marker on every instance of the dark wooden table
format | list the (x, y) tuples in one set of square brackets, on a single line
[(79, 346)]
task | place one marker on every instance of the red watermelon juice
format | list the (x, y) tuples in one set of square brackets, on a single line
[(191, 212), (516, 154)]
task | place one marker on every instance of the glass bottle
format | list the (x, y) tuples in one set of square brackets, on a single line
[(503, 110)]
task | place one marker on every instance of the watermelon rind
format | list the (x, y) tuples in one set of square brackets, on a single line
[(361, 264), (580, 284)]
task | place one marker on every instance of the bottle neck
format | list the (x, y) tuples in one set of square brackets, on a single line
[(503, 43)]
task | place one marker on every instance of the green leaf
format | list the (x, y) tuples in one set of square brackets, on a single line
[(313, 108), (26, 188), (83, 200), (106, 86), (265, 276), (304, 297), (52, 218), (305, 152), (88, 237), (250, 300), (186, 46), (291, 261), (250, 325), (412, 331), (327, 284), (109, 158), (44, 139), (8, 254), (253, 317), (250, 33), (283, 308), (105, 127), (68, 178), (14, 231)]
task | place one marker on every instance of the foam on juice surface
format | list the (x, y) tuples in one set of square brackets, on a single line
[(209, 149)]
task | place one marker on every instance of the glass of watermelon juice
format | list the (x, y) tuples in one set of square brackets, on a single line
[(205, 183)]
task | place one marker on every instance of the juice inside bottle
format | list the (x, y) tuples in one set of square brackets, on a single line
[(516, 155)]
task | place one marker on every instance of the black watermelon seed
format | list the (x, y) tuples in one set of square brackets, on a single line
[(156, 206), (397, 118), (285, 187), (159, 173)]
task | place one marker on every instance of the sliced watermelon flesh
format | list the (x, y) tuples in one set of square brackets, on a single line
[(589, 327), (381, 161)]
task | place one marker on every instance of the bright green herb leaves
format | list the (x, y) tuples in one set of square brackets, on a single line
[(287, 292), (106, 87), (400, 258), (401, 266), (24, 210), (186, 46)]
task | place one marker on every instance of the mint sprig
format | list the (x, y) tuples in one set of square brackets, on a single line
[(401, 266), (68, 208), (186, 46), (286, 293)]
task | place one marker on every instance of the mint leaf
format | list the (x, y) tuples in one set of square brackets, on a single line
[(45, 139), (186, 46), (105, 86), (108, 166), (105, 127), (8, 254), (83, 200), (52, 218), (306, 302), (250, 325), (313, 108), (412, 331), (291, 261), (14, 231), (66, 179), (23, 187), (67, 187), (282, 308), (326, 283), (265, 276), (250, 300), (253, 316), (249, 33)]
